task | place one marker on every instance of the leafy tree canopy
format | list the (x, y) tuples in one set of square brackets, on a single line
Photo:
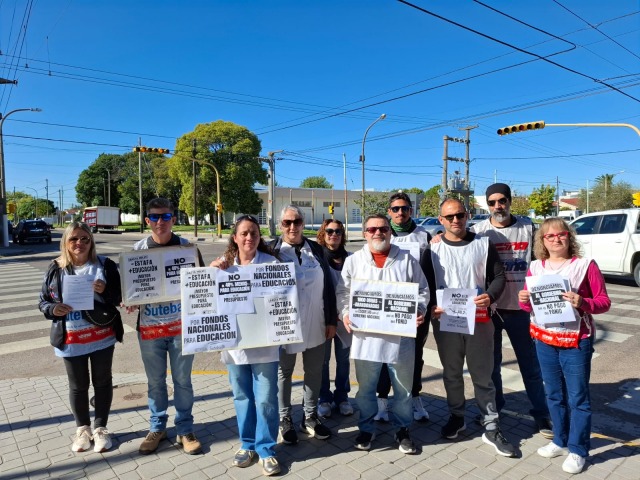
[(374, 202), (430, 204), (541, 200), (607, 195), (316, 182), (520, 206)]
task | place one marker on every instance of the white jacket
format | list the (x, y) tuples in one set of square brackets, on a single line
[(399, 267)]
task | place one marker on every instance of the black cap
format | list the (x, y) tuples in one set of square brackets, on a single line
[(502, 188)]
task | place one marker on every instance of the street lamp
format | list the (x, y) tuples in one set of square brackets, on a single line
[(36, 209), (364, 139), (3, 183), (606, 184)]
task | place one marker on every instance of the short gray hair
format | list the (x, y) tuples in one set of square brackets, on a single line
[(295, 208)]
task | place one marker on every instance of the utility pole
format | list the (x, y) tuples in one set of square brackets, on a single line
[(271, 193), (195, 185), (346, 205), (140, 184), (47, 189), (557, 196), (465, 191)]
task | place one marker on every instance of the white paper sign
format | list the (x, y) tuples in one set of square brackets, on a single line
[(283, 323), (459, 310), (209, 333), (77, 291), (234, 290), (384, 307), (546, 299)]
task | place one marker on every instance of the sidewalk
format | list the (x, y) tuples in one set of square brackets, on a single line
[(36, 427)]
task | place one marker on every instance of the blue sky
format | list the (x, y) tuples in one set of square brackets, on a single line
[(309, 77)]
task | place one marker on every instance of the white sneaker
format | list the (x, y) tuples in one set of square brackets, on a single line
[(552, 450), (101, 440), (82, 440), (419, 413), (574, 463), (345, 408), (382, 415), (324, 409)]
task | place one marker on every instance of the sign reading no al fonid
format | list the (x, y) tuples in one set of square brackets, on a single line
[(151, 276), (384, 307), (241, 307)]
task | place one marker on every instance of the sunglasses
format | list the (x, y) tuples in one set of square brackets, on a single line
[(404, 209), (373, 230), (331, 231), (501, 201), (83, 240), (154, 217), (559, 236), (287, 223), (249, 218), (459, 216)]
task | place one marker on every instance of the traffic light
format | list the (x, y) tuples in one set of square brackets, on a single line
[(218, 207), (521, 127), (636, 199), (11, 208), (150, 149), (331, 209)]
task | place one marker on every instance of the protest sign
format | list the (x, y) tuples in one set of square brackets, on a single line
[(459, 310), (546, 299)]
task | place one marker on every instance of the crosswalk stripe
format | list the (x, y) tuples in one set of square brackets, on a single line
[(20, 295), (35, 288), (25, 327), (20, 315), (611, 336), (23, 283), (623, 296), (25, 303), (624, 306), (40, 342), (611, 318)]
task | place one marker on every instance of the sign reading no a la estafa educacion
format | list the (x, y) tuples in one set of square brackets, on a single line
[(244, 307), (151, 276), (389, 308)]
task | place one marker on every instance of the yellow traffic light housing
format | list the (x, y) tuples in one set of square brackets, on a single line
[(521, 127), (636, 199), (150, 149), (331, 209)]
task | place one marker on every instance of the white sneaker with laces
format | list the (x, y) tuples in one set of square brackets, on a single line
[(419, 413), (345, 408), (382, 415), (82, 439), (324, 409), (574, 463), (101, 440), (551, 450)]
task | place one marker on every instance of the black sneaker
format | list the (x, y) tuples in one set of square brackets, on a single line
[(287, 431), (314, 427), (543, 426), (363, 441), (405, 444), (454, 426), (502, 446)]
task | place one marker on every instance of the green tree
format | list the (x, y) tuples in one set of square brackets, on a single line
[(430, 205), (374, 202), (234, 151), (27, 206), (316, 182), (520, 206), (606, 195), (541, 200)]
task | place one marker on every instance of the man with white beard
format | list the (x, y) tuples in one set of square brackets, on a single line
[(380, 260)]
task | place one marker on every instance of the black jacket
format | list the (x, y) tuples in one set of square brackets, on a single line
[(329, 296), (52, 293)]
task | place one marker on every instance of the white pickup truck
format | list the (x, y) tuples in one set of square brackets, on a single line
[(612, 239)]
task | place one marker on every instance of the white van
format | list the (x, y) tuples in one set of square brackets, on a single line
[(612, 239), (569, 215)]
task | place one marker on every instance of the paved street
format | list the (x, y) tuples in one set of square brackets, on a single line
[(36, 416)]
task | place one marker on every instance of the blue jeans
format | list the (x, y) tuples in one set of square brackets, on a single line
[(566, 373), (154, 357), (255, 398), (401, 374), (341, 393), (516, 323)]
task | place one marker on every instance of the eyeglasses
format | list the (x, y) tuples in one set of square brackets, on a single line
[(459, 216), (553, 236), (501, 201), (154, 217), (287, 223), (404, 209), (331, 231), (83, 240), (373, 230)]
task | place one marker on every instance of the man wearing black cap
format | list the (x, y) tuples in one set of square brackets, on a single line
[(513, 238)]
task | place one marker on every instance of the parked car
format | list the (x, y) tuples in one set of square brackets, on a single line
[(31, 230), (612, 239), (432, 225)]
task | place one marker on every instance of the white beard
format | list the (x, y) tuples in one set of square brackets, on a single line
[(500, 217), (380, 245)]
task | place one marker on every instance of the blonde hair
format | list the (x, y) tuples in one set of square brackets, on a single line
[(65, 259), (541, 252)]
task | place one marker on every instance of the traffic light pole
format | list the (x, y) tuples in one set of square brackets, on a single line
[(627, 125)]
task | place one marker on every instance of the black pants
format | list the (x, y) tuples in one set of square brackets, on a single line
[(79, 381), (384, 382)]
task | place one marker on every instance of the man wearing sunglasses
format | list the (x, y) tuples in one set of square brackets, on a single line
[(464, 260), (160, 335), (513, 237), (381, 260), (404, 229)]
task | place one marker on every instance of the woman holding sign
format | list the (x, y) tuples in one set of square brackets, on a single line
[(253, 372), (76, 339), (565, 349)]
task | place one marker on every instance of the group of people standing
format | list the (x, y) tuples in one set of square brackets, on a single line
[(493, 258)]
